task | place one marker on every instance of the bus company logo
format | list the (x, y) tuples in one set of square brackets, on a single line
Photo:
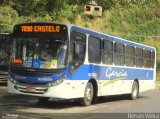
[(111, 73), (19, 77)]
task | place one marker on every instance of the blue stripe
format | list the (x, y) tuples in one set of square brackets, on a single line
[(87, 72)]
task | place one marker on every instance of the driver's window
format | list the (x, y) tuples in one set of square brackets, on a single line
[(78, 49), (78, 52)]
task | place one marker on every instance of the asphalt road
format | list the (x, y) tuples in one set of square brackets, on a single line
[(26, 106)]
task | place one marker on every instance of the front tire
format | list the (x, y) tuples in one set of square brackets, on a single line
[(134, 91), (88, 95)]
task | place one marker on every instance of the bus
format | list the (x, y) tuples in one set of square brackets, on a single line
[(55, 60), (5, 51)]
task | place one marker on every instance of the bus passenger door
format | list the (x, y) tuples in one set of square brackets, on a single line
[(78, 49)]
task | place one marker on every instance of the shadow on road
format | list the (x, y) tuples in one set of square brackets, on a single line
[(115, 98), (62, 104), (11, 102), (3, 84)]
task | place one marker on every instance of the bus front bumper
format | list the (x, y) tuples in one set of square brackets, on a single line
[(3, 80), (66, 90)]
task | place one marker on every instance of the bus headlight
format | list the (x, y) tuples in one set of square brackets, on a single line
[(12, 80), (57, 82)]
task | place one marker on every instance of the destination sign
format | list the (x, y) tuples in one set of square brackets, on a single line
[(40, 28)]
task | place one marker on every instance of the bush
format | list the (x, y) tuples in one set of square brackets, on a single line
[(8, 18)]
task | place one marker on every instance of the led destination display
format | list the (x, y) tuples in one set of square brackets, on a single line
[(40, 29)]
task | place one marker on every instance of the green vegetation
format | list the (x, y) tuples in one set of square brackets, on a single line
[(8, 17), (135, 20)]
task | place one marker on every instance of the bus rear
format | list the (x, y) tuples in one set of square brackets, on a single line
[(39, 60), (5, 50)]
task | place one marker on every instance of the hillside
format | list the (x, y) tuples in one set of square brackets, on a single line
[(135, 20)]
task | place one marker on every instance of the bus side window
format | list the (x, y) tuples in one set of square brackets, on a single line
[(78, 52), (147, 59), (139, 57), (78, 49), (94, 49), (119, 54), (130, 56), (107, 56), (153, 58)]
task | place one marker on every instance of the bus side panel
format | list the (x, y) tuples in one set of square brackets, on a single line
[(144, 83), (120, 79), (114, 80)]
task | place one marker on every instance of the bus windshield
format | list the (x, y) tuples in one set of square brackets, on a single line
[(40, 52)]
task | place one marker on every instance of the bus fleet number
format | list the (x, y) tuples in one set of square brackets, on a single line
[(27, 28)]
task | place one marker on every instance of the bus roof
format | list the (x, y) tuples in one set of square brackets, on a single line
[(102, 35), (97, 34), (4, 33)]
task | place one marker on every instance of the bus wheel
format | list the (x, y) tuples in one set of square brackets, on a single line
[(88, 95), (135, 91)]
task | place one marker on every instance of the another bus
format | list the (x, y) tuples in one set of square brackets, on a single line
[(69, 62), (5, 51)]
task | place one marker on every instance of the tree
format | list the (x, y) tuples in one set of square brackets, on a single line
[(30, 7), (8, 18), (7, 3)]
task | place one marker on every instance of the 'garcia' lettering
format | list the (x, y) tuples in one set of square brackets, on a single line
[(110, 73)]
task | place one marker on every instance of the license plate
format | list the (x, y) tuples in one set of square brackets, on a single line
[(31, 89)]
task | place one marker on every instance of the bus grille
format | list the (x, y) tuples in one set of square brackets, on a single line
[(23, 89)]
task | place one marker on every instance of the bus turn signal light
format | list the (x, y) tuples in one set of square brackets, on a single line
[(16, 61)]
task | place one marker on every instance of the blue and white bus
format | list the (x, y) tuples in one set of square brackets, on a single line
[(69, 62), (5, 51)]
